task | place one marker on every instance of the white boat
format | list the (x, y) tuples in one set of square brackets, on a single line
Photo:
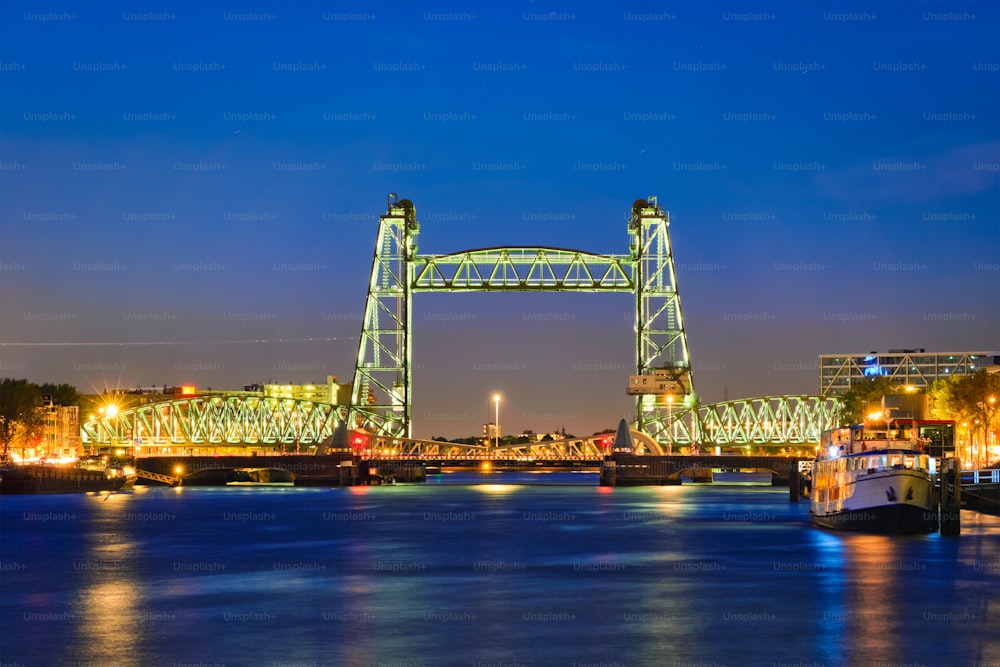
[(874, 479)]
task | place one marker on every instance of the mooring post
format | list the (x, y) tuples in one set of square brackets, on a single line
[(794, 483), (951, 497)]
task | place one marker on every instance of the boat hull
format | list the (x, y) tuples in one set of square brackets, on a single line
[(41, 479), (897, 519), (898, 500)]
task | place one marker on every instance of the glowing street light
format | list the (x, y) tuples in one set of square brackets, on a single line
[(670, 423), (496, 400)]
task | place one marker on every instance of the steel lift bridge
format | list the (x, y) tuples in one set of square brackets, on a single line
[(667, 409), (670, 414)]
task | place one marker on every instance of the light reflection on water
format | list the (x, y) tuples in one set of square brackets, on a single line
[(460, 573)]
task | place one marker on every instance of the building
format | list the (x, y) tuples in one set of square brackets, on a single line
[(331, 392), (913, 367), (60, 432), (489, 432)]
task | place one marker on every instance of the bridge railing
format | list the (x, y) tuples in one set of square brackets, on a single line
[(984, 476)]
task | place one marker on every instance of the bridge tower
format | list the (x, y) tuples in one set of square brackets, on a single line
[(661, 340), (380, 398)]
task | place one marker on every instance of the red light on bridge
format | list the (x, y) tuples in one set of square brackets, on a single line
[(607, 441), (358, 441)]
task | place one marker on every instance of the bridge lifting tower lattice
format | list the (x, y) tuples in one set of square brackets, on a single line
[(382, 390), (661, 339), (380, 397)]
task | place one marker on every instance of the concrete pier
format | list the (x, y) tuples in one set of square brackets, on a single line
[(621, 469)]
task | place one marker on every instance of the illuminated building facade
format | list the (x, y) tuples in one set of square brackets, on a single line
[(331, 392), (913, 367), (60, 434)]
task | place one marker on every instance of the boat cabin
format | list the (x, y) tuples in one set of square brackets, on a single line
[(933, 437)]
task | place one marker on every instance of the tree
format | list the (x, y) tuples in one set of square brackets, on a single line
[(967, 400), (864, 397), (20, 418), (61, 394)]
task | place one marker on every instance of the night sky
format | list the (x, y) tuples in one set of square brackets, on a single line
[(205, 175)]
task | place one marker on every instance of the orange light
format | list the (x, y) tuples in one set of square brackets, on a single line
[(189, 390)]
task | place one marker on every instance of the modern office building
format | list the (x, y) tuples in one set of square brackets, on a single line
[(916, 367)]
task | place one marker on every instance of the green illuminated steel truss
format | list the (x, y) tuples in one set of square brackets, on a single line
[(766, 420), (227, 419), (523, 270), (237, 418), (382, 390)]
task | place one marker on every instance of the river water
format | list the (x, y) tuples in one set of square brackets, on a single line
[(524, 570)]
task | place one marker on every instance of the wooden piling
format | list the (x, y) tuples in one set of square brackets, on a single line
[(951, 497)]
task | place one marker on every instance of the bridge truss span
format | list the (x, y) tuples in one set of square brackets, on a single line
[(524, 269), (590, 448), (230, 419), (766, 420)]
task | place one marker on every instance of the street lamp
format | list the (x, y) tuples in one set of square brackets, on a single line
[(496, 400), (670, 423), (109, 412)]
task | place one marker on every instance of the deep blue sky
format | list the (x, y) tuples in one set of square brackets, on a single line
[(831, 170)]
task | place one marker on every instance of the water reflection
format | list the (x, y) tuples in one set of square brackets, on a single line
[(112, 614), (876, 585), (458, 575), (496, 489), (831, 621)]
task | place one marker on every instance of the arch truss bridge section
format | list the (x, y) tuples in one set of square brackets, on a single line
[(219, 420), (382, 391), (590, 448), (767, 420)]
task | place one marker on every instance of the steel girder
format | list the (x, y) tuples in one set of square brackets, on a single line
[(523, 270), (232, 420)]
